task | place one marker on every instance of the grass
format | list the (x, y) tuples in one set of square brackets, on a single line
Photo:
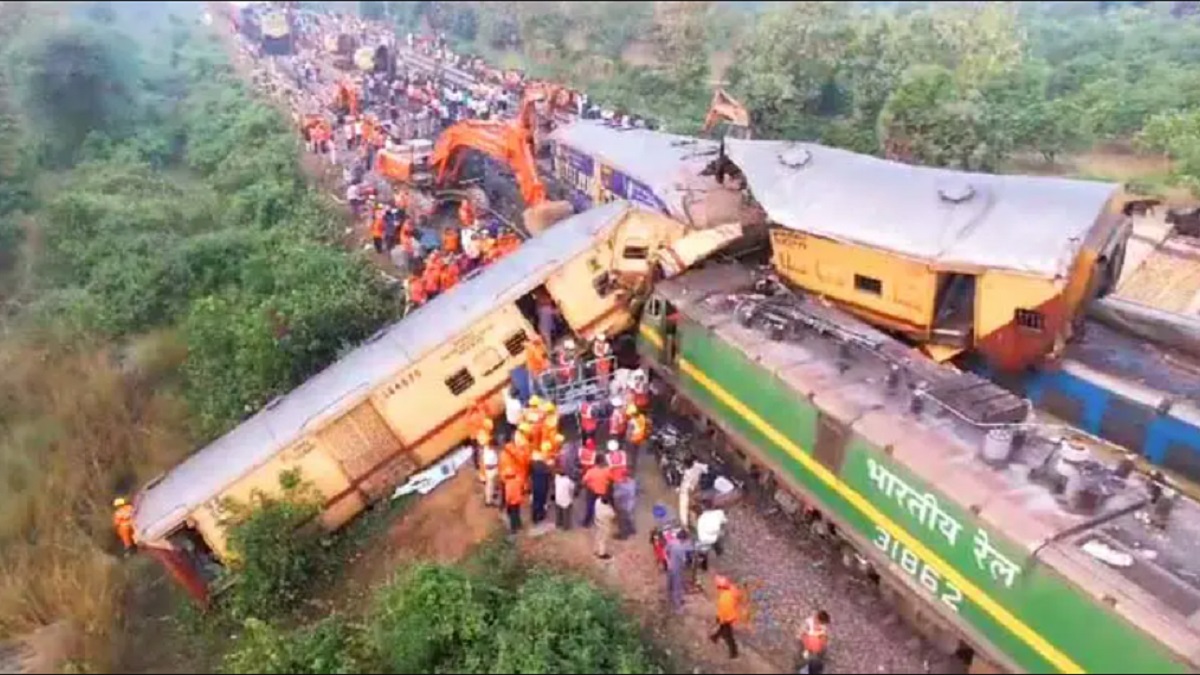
[(77, 426)]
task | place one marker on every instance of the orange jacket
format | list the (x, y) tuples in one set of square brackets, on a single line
[(514, 490), (123, 524), (449, 277), (727, 610), (432, 280), (598, 479), (377, 226), (450, 240), (639, 429), (536, 357), (416, 290)]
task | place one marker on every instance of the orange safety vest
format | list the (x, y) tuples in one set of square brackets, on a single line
[(587, 457), (536, 357), (815, 637), (449, 276), (508, 462), (587, 416), (377, 227), (450, 240), (432, 280), (639, 429), (123, 524), (616, 423), (514, 491), (618, 464), (566, 366), (416, 290), (727, 610)]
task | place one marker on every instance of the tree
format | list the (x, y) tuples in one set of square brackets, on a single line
[(928, 119), (682, 38), (73, 82)]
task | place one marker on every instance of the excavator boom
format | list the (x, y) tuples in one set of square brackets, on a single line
[(726, 107), (503, 141)]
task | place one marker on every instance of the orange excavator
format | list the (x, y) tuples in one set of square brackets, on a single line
[(726, 108), (425, 167)]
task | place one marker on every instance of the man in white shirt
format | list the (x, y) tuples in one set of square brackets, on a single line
[(513, 408), (710, 527), (564, 497), (688, 485), (491, 474)]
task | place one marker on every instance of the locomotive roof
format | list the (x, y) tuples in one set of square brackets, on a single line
[(1159, 591), (1029, 224), (666, 163), (164, 503)]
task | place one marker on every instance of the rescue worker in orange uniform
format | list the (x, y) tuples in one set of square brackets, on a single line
[(377, 230), (814, 642), (123, 522), (466, 213), (567, 365), (488, 250), (451, 239), (619, 419), (449, 276), (618, 462), (549, 421), (514, 496), (588, 420), (639, 433), (432, 276), (727, 615), (536, 358), (416, 291), (587, 455), (602, 355)]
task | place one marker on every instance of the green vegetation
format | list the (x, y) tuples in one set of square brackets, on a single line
[(166, 272), (967, 85), (435, 618)]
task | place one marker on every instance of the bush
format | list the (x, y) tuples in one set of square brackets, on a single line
[(276, 550), (328, 647), (436, 619)]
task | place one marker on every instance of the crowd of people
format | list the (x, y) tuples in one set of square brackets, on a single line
[(532, 456)]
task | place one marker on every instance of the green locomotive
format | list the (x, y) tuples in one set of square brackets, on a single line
[(1003, 540)]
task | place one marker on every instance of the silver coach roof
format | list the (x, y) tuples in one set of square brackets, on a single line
[(666, 163), (1029, 224), (163, 505)]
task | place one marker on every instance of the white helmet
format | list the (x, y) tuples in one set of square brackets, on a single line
[(613, 446), (599, 337), (617, 402), (568, 344)]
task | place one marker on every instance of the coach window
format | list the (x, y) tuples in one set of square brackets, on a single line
[(603, 284), (868, 284), (1030, 319), (460, 382)]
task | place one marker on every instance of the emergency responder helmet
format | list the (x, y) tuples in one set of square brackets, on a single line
[(119, 502), (613, 446), (547, 446), (524, 427), (488, 423), (535, 401), (631, 409), (569, 344), (549, 406), (599, 338)]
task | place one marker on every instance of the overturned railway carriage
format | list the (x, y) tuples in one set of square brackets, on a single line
[(398, 403), (975, 523), (1002, 266)]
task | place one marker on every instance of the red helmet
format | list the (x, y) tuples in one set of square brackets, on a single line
[(590, 444), (721, 582)]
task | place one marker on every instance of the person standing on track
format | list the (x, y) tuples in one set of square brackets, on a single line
[(814, 642), (606, 515), (727, 615), (678, 551)]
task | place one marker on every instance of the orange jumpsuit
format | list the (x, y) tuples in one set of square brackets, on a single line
[(416, 290), (451, 240), (449, 276), (536, 357), (123, 524), (432, 280)]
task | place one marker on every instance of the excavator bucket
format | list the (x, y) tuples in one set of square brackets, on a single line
[(539, 218)]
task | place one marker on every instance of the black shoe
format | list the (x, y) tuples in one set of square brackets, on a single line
[(607, 556)]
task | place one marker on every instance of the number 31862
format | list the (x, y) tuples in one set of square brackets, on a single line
[(945, 591)]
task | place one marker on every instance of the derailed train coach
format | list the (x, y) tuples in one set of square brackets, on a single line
[(998, 266), (398, 403), (1016, 547)]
